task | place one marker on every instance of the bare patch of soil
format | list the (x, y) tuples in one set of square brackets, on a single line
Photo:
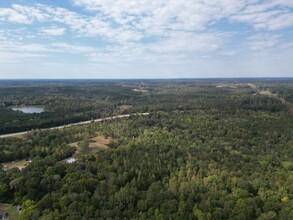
[(267, 93), (100, 142), (74, 144), (231, 86)]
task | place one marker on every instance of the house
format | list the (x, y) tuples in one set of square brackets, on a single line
[(71, 160), (3, 215), (5, 168), (18, 209)]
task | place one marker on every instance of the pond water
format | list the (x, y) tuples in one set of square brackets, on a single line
[(28, 109)]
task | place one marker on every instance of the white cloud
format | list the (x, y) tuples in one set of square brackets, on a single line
[(33, 13), (90, 25), (189, 42), (263, 41), (73, 48), (147, 31), (21, 14), (270, 15), (18, 49), (158, 16), (123, 20), (155, 16), (10, 15), (52, 31)]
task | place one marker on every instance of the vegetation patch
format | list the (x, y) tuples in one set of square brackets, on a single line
[(74, 144), (200, 153), (11, 210), (100, 142), (21, 164), (92, 145), (231, 86), (124, 108), (267, 93)]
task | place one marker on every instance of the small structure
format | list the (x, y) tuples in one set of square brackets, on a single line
[(5, 168), (71, 160), (3, 215), (18, 209)]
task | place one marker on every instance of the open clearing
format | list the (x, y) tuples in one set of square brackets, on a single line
[(20, 164), (231, 86), (11, 210), (143, 90), (288, 105), (267, 93), (137, 88), (74, 144), (100, 142), (123, 108)]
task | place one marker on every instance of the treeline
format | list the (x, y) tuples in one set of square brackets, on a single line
[(181, 165), (73, 102), (63, 104)]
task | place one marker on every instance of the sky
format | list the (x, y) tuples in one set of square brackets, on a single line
[(146, 38)]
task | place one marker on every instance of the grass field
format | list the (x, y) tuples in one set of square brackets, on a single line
[(11, 210), (100, 142), (96, 144), (16, 164)]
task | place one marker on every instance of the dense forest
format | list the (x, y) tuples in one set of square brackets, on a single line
[(209, 149)]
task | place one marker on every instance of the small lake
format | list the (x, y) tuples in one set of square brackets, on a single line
[(28, 109)]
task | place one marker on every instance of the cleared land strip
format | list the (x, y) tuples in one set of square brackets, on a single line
[(74, 124), (288, 105)]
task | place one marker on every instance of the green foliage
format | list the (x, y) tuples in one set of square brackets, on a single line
[(29, 210), (202, 153), (83, 146)]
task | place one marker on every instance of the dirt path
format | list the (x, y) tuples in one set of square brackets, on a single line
[(288, 105), (253, 86), (74, 124)]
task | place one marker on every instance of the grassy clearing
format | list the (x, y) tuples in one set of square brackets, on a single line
[(123, 108), (288, 105), (74, 144), (99, 142), (11, 210), (227, 86), (94, 145), (102, 140), (267, 93), (20, 164), (142, 90)]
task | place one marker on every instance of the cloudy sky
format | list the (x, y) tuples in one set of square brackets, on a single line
[(145, 38)]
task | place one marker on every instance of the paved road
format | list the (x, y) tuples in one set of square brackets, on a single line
[(74, 124)]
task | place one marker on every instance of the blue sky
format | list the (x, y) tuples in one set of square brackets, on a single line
[(146, 38)]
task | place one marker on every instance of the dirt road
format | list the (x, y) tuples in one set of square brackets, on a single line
[(288, 105)]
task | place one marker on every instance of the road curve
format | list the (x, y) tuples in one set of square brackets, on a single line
[(74, 124), (287, 104)]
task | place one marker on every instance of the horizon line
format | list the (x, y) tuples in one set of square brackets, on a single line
[(163, 78)]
